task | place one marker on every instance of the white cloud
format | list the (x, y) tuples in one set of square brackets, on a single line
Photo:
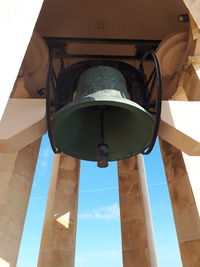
[(157, 184), (45, 152), (102, 213), (44, 156), (99, 189), (93, 258)]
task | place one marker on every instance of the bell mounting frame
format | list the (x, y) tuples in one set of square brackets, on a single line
[(52, 102), (153, 86)]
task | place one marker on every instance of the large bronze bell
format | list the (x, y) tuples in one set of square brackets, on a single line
[(102, 124)]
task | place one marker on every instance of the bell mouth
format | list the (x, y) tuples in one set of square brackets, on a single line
[(128, 128)]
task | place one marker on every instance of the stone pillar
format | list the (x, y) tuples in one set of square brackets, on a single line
[(183, 178), (18, 20), (7, 162), (16, 173), (138, 243), (59, 231)]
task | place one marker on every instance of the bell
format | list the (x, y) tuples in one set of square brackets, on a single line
[(102, 124)]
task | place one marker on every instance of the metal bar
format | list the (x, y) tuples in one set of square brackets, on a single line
[(101, 40), (98, 56), (141, 47)]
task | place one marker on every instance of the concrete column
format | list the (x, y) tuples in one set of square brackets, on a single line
[(138, 243), (183, 178), (59, 231), (16, 177)]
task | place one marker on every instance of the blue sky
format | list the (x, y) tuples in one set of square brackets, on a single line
[(98, 230)]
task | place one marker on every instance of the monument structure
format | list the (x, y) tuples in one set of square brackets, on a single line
[(105, 30)]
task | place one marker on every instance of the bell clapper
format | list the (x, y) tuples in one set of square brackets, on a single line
[(102, 155), (102, 148)]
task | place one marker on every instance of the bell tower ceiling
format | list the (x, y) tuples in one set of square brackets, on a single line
[(121, 19)]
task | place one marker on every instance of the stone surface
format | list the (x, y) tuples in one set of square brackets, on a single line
[(194, 9), (17, 23), (7, 162), (190, 253), (178, 125), (59, 230), (138, 244), (23, 122), (17, 172), (182, 173)]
